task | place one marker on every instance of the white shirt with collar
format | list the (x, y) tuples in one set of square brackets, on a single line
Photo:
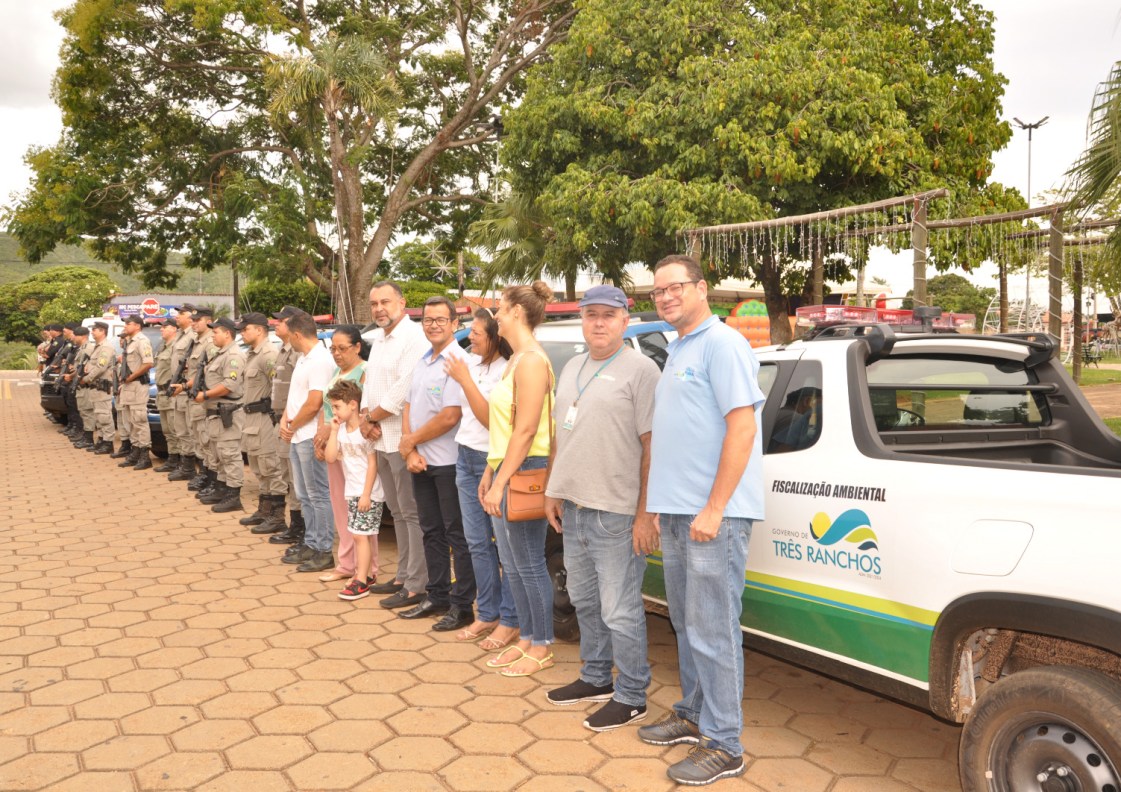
[(389, 374)]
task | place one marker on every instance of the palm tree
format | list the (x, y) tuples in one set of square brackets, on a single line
[(519, 238), (346, 82), (1097, 172)]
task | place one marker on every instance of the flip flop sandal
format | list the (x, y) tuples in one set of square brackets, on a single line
[(496, 662), (467, 636), (542, 664), (492, 644)]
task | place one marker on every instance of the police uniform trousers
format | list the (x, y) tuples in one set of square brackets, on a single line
[(133, 403), (103, 415), (226, 443), (166, 411), (259, 442), (283, 449), (85, 408), (201, 435), (180, 425)]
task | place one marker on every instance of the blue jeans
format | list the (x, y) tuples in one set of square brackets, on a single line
[(605, 585), (309, 478), (704, 586), (521, 547), (494, 599)]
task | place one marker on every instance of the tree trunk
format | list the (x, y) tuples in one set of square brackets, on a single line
[(1003, 278), (570, 286), (1076, 330), (777, 308)]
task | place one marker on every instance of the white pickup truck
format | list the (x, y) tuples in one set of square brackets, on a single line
[(941, 528)]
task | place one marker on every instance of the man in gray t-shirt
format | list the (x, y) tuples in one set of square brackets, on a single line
[(596, 496)]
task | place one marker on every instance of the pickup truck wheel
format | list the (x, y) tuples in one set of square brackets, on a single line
[(1044, 730), (565, 627)]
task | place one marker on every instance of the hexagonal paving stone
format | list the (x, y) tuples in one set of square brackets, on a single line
[(907, 743), (112, 705), (431, 721), (102, 781), (313, 692), (483, 774), (772, 741), (560, 783), (498, 709), (491, 738), (212, 735), (291, 719), (562, 756), (351, 736), (397, 781), (848, 759), (424, 754), (189, 691), (70, 691), (180, 771), (159, 720), (783, 775), (331, 771), (636, 774), (271, 752), (76, 735), (143, 680), (125, 753), (243, 780), (37, 770), (261, 679), (32, 720), (929, 775), (361, 706), (214, 668), (381, 682)]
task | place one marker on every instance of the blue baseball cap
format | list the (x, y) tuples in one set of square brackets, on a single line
[(612, 296)]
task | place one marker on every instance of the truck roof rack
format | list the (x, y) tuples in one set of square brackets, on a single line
[(881, 338)]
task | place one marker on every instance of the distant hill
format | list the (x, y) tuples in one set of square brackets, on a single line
[(14, 268)]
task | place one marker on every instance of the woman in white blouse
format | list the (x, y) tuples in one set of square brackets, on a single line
[(497, 621)]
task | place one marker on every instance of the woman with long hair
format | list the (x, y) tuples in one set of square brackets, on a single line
[(520, 438), (497, 620), (349, 351)]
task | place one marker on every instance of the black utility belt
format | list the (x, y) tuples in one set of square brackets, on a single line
[(261, 406), (223, 407)]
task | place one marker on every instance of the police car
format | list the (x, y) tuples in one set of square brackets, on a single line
[(941, 527)]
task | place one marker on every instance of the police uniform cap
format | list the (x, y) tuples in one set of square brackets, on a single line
[(54, 326), (134, 319), (288, 311), (225, 322), (101, 326), (186, 308), (253, 319), (71, 325), (82, 331), (168, 322), (201, 312)]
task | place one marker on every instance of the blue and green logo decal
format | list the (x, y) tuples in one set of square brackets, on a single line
[(852, 526)]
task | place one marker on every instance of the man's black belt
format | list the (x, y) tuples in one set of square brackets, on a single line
[(261, 406), (223, 407)]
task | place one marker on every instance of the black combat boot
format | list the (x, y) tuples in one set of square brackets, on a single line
[(123, 451), (231, 501), (295, 533), (274, 519), (257, 517), (104, 447), (215, 495), (143, 459), (85, 441), (185, 471), (132, 458), (170, 464), (212, 483), (201, 479)]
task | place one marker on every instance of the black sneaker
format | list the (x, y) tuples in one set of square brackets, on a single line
[(704, 764), (670, 730), (579, 691), (614, 714), (355, 590)]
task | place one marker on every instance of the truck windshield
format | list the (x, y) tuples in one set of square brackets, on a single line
[(925, 392)]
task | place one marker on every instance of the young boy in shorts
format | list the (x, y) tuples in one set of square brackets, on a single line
[(364, 495)]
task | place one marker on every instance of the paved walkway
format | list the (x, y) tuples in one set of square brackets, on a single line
[(148, 644)]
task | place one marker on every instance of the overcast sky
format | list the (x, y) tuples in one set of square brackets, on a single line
[(1052, 53)]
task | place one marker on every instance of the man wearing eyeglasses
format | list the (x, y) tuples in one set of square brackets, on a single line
[(706, 486), (428, 424), (394, 352)]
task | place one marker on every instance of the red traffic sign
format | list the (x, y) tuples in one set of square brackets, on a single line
[(150, 307)]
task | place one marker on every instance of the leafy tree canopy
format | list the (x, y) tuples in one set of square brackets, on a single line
[(59, 294), (652, 118), (268, 297)]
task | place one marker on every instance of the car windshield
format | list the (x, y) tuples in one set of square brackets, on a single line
[(560, 352)]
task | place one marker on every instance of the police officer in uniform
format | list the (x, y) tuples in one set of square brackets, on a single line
[(99, 377), (136, 360), (259, 439), (181, 349), (196, 413), (222, 399), (67, 384), (163, 400), (124, 425), (83, 434), (282, 382)]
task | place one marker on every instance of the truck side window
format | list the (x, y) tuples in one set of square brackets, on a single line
[(798, 425), (653, 345)]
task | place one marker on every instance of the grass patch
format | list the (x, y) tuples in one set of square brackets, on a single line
[(17, 356), (1114, 424), (1095, 376)]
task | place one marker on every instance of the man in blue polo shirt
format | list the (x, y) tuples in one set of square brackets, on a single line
[(429, 422), (706, 486)]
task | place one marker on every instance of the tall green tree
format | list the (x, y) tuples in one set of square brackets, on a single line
[(653, 118), (60, 294), (170, 144)]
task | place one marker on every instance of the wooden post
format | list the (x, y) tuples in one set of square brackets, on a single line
[(818, 288), (460, 274), (1002, 282), (237, 292), (1076, 328), (918, 244), (1055, 278)]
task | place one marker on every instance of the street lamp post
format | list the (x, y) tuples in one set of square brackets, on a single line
[(1030, 128)]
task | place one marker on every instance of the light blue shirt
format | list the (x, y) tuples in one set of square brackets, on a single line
[(430, 392), (710, 372)]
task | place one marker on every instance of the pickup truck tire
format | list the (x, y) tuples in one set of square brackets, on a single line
[(565, 627), (1050, 729)]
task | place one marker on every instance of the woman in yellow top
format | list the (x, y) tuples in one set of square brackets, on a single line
[(519, 440)]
